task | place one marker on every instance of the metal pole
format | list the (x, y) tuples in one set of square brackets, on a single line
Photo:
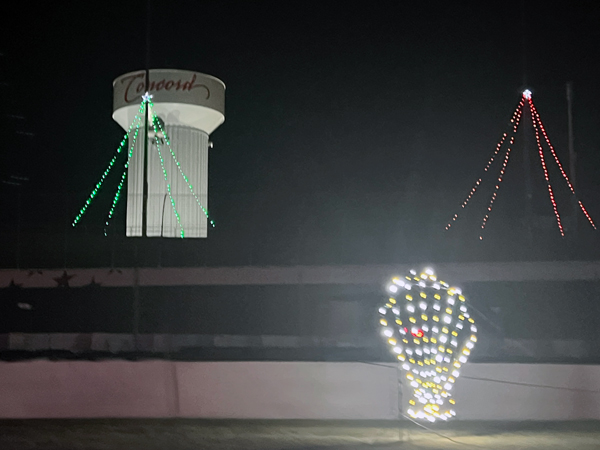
[(527, 138), (146, 115), (572, 154), (19, 200), (524, 43), (145, 199), (136, 307)]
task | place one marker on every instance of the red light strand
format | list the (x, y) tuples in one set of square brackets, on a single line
[(538, 120), (543, 162), (516, 117), (500, 176), (586, 214)]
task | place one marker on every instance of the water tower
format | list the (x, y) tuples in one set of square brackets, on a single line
[(190, 106)]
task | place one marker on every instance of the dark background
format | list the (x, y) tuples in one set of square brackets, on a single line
[(352, 135), (350, 132)]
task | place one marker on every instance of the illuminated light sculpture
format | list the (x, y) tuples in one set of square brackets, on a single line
[(427, 326), (538, 126)]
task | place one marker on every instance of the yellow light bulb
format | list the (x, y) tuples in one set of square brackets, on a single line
[(392, 341), (408, 297), (423, 316), (423, 294), (393, 301), (437, 296), (454, 333), (436, 318), (448, 311), (383, 322), (412, 320)]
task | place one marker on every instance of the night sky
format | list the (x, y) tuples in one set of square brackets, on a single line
[(352, 134), (355, 105)]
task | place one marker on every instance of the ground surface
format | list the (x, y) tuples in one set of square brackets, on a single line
[(180, 434)]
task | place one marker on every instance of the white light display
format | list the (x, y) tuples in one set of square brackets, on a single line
[(429, 330)]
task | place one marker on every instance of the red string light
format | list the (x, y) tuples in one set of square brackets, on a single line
[(538, 120), (543, 162), (537, 125), (516, 116), (495, 194), (586, 214)]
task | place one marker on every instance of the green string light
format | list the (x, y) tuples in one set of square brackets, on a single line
[(107, 171), (191, 188), (123, 176), (162, 165)]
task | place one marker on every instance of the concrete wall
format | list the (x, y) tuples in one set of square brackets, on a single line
[(282, 390)]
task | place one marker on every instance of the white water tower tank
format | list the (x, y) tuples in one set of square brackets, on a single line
[(191, 105)]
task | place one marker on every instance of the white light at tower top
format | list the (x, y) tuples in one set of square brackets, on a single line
[(147, 96), (527, 94)]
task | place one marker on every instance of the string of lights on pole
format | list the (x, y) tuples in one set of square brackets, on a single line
[(538, 127), (560, 166), (124, 174), (427, 326), (156, 122), (136, 122), (516, 114), (131, 135), (164, 171)]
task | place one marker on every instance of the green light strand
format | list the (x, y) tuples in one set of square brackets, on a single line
[(106, 172), (123, 177), (162, 165), (155, 121)]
